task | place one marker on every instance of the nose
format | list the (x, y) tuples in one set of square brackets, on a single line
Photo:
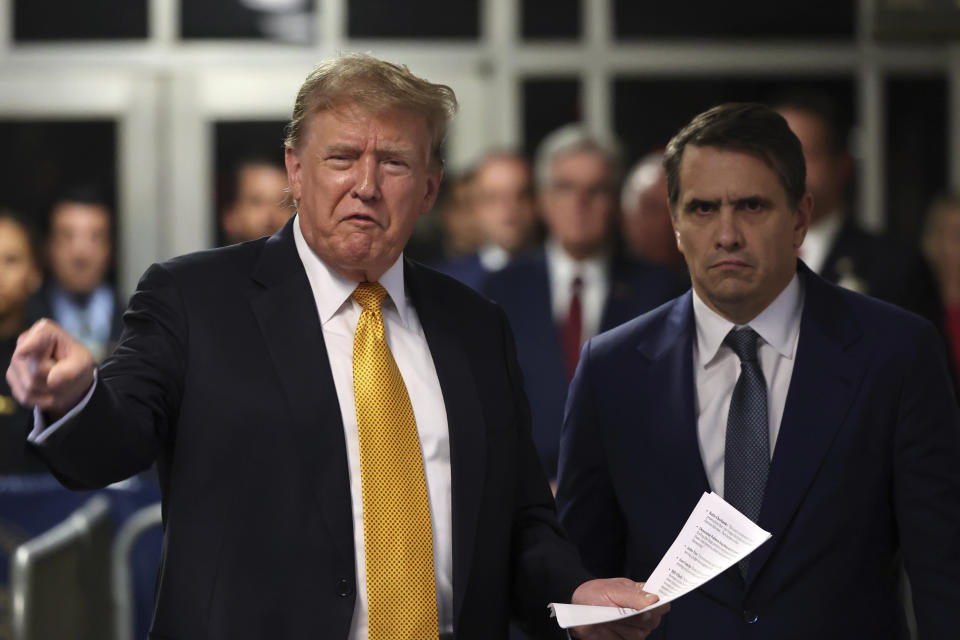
[(367, 183), (728, 230)]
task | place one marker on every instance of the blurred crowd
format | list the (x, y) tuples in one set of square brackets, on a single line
[(569, 242)]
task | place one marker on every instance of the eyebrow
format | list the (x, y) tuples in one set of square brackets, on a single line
[(695, 203), (386, 151), (754, 199), (339, 148)]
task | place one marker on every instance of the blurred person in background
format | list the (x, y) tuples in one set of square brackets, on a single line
[(259, 205), (941, 243), (836, 247), (456, 221), (77, 294), (501, 198), (580, 283), (645, 214), (20, 277)]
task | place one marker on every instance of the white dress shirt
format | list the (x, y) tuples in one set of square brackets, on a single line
[(716, 369), (339, 314), (593, 273), (819, 240), (493, 257)]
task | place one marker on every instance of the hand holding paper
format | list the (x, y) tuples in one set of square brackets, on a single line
[(715, 537), (618, 594)]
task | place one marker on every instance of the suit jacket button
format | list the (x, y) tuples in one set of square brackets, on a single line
[(344, 588), (750, 616)]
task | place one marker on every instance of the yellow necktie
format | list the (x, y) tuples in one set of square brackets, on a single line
[(401, 586)]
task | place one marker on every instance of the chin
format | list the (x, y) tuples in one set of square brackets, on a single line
[(732, 292)]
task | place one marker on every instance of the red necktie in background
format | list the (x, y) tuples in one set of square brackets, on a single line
[(571, 330)]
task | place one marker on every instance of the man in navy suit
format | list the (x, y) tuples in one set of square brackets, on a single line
[(580, 283), (238, 373), (824, 415)]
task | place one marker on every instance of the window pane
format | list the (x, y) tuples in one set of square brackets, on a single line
[(288, 21), (916, 149), (249, 178), (923, 21), (414, 19), (73, 20), (44, 158), (759, 19), (551, 19), (548, 104)]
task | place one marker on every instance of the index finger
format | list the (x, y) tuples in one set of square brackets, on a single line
[(37, 341)]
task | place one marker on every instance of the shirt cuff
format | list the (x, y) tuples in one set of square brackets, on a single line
[(41, 431)]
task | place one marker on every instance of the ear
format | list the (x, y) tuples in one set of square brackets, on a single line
[(291, 158), (434, 177), (802, 222), (673, 223)]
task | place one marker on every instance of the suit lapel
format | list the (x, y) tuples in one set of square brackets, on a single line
[(464, 423), (822, 388), (673, 414), (285, 309)]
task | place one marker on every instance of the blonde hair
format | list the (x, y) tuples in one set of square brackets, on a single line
[(374, 85)]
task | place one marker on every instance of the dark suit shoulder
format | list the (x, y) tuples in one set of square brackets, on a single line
[(631, 266), (523, 269), (467, 269), (649, 332), (207, 274), (876, 318), (446, 291), (240, 256), (636, 278)]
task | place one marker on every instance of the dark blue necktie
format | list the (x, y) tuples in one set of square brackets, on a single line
[(747, 453)]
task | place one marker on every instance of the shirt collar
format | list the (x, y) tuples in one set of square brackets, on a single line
[(778, 324), (331, 290), (99, 296), (820, 238), (493, 257), (563, 267)]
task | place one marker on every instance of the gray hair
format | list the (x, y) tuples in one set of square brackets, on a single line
[(644, 173), (572, 138)]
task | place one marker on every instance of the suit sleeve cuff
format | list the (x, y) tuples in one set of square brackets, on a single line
[(41, 431)]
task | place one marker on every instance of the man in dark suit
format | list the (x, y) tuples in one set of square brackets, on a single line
[(341, 435), (580, 283), (837, 247), (825, 416)]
